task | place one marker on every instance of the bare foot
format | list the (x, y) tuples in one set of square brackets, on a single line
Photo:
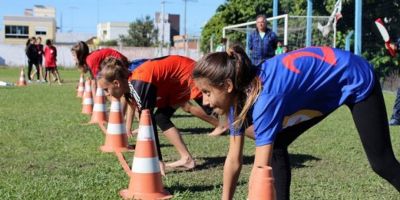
[(219, 130), (184, 163)]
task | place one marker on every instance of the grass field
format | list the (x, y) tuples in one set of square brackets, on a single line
[(46, 153)]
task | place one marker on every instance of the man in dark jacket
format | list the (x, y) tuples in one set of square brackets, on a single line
[(262, 41)]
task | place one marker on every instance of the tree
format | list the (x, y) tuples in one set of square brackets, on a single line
[(141, 33)]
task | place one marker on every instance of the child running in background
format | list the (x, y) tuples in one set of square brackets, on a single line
[(50, 55)]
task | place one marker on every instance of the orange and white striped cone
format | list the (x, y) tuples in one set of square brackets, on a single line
[(261, 184), (81, 87), (116, 137), (145, 175), (87, 100), (21, 81), (99, 109)]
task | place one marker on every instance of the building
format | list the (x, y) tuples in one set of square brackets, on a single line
[(170, 26), (39, 22), (192, 42), (111, 30)]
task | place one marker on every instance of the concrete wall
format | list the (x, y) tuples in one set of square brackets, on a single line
[(14, 55)]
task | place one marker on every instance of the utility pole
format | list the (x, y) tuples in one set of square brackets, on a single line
[(162, 26), (185, 37)]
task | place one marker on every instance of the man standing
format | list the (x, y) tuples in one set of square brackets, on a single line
[(262, 41)]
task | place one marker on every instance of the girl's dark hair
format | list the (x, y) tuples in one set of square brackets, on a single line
[(114, 69), (236, 66), (48, 42), (82, 51)]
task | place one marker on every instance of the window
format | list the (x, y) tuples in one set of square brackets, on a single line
[(16, 31), (41, 31)]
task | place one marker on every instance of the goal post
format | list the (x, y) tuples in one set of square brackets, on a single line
[(291, 31)]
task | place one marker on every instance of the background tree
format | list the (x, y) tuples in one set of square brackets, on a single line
[(141, 33)]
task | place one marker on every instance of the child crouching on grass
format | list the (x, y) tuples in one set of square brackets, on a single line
[(50, 55)]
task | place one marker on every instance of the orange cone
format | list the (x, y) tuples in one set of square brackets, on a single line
[(21, 81), (99, 108), (81, 88), (261, 184), (145, 175), (116, 137), (87, 100)]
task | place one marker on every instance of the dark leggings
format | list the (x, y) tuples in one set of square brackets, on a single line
[(370, 119), (30, 63), (162, 118)]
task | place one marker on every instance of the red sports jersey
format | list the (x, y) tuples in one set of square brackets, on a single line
[(162, 82), (50, 56), (94, 59)]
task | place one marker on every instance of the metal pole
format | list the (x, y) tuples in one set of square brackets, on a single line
[(275, 13), (358, 28), (348, 40), (162, 27), (309, 23)]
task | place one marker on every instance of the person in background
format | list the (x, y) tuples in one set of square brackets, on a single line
[(32, 54), (395, 118), (279, 48), (50, 55), (262, 41), (285, 49), (279, 100), (40, 54), (221, 46)]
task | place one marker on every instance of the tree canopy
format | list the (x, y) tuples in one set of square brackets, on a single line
[(141, 33)]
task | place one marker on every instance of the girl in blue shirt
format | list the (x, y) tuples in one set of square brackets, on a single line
[(277, 101)]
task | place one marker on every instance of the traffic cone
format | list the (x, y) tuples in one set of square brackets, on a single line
[(261, 184), (21, 81), (99, 109), (81, 87), (145, 175), (87, 100), (116, 137)]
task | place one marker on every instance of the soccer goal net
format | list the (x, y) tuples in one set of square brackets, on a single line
[(291, 31)]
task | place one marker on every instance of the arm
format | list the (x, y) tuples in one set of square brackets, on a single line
[(129, 118), (233, 166)]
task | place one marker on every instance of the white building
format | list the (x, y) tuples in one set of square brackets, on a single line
[(111, 30)]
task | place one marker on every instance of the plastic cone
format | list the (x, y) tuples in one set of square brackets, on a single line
[(145, 175), (21, 81), (81, 87), (116, 137), (261, 184), (87, 100), (99, 109)]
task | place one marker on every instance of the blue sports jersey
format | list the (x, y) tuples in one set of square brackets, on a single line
[(306, 83)]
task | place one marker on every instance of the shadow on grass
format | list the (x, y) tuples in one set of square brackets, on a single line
[(199, 188), (296, 161), (194, 131), (181, 116)]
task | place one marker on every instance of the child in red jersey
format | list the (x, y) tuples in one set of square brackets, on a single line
[(50, 56)]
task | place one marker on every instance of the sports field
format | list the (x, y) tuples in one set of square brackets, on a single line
[(46, 153)]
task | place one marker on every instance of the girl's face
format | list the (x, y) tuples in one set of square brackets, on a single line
[(218, 98), (116, 88)]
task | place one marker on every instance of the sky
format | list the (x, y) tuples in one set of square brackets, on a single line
[(83, 15)]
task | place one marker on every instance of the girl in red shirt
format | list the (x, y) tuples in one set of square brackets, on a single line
[(50, 57)]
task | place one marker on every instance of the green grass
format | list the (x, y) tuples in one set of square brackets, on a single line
[(45, 153)]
